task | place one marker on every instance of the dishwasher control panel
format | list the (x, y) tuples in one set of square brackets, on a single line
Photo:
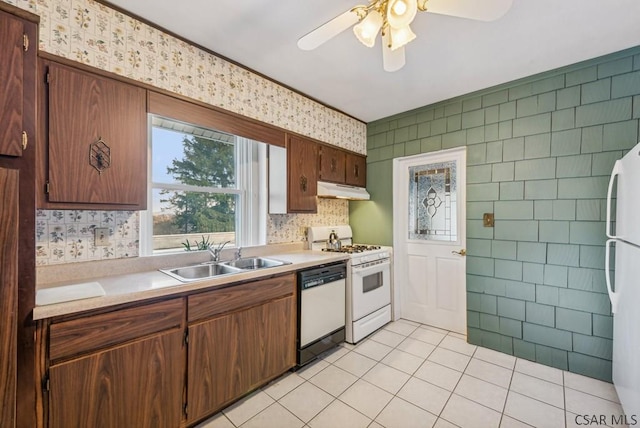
[(322, 275)]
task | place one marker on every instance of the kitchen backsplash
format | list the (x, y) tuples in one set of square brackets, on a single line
[(67, 236), (92, 33), (282, 228)]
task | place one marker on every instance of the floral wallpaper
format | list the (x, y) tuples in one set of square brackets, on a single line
[(292, 227), (94, 34), (67, 236)]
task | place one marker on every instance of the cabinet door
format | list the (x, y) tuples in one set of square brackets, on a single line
[(356, 170), (302, 158), (332, 164), (135, 385), (8, 294), (97, 140), (234, 354), (11, 84)]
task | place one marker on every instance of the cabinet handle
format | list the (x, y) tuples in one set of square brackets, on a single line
[(25, 42), (100, 161), (100, 155), (25, 140), (303, 183), (356, 171), (334, 165)]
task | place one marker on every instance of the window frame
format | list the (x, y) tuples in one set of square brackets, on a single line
[(197, 113), (250, 225)]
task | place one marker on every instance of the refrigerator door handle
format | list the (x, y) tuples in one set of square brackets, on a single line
[(613, 296), (617, 167)]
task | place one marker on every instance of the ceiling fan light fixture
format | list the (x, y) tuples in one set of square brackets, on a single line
[(367, 30), (400, 37), (399, 8), (392, 60), (393, 18), (401, 13)]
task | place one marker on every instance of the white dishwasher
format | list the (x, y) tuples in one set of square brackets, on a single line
[(321, 310)]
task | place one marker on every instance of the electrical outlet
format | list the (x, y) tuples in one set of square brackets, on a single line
[(101, 236)]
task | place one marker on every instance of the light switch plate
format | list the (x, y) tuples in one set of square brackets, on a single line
[(101, 236), (488, 220)]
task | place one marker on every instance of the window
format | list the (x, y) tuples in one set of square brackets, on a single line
[(205, 187)]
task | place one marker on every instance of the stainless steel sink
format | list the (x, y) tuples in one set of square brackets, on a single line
[(255, 263), (215, 269), (199, 272)]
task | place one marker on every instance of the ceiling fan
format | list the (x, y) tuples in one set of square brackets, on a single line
[(392, 19)]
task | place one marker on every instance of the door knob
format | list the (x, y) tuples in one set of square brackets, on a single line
[(462, 252)]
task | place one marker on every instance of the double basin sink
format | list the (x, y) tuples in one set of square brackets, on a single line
[(215, 269)]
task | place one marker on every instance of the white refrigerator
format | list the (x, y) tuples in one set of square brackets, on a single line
[(624, 287)]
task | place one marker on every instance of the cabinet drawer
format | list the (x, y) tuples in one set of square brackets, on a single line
[(208, 304), (80, 335)]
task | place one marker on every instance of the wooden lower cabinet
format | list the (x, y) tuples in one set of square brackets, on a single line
[(134, 385), (132, 367), (120, 368), (233, 354)]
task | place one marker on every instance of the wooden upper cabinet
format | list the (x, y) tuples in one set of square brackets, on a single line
[(12, 51), (302, 159), (356, 170), (332, 164), (97, 141)]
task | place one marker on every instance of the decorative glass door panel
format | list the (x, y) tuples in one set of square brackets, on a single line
[(432, 202)]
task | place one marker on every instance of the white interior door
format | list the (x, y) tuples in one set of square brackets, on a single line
[(429, 239)]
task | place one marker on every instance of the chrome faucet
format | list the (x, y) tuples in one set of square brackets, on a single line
[(215, 252), (238, 254)]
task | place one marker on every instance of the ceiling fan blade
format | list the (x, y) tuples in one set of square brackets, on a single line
[(327, 31), (391, 60), (486, 10)]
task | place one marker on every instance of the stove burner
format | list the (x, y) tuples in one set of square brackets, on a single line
[(353, 249)]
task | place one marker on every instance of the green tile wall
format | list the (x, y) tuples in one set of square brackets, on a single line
[(539, 154)]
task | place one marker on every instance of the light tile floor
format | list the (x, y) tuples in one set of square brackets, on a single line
[(410, 375)]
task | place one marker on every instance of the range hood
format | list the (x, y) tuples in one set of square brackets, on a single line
[(342, 191)]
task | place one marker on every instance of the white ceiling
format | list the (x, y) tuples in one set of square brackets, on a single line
[(450, 57)]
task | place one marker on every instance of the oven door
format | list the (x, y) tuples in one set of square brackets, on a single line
[(370, 287)]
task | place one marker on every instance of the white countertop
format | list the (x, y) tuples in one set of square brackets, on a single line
[(138, 286)]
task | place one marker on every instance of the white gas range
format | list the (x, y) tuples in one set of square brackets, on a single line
[(368, 288)]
